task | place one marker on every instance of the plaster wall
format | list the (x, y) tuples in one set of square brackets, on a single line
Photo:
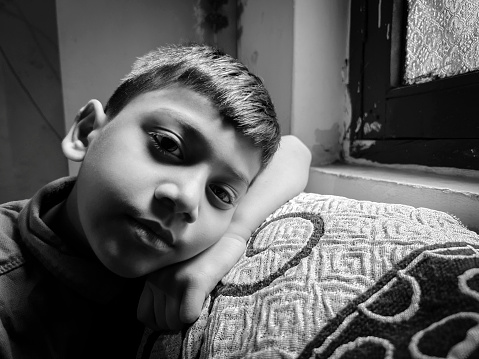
[(300, 49), (265, 45), (320, 105)]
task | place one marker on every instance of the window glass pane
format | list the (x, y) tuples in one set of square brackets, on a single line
[(442, 39)]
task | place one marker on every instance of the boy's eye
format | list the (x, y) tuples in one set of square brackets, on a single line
[(223, 194), (167, 143)]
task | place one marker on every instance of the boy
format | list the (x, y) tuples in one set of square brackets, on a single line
[(174, 179)]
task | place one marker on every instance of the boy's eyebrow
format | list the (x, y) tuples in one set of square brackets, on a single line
[(193, 131), (239, 176)]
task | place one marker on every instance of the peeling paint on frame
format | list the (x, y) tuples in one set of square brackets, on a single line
[(371, 127), (361, 145)]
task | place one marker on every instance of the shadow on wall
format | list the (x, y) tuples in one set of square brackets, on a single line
[(31, 104)]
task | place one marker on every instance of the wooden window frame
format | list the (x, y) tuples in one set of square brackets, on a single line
[(434, 124)]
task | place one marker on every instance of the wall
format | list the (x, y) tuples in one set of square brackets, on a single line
[(265, 45), (320, 109), (31, 106), (299, 48), (99, 40)]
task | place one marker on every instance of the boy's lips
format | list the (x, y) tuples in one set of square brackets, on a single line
[(154, 231)]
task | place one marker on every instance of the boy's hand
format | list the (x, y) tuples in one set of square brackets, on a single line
[(174, 296)]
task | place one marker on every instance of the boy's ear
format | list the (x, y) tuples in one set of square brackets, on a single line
[(88, 123)]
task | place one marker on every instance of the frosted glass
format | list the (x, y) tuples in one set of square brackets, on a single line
[(442, 39)]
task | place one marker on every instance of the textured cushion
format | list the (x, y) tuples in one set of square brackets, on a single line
[(320, 270)]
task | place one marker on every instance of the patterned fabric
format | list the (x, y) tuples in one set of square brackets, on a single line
[(428, 308), (314, 260), (442, 39)]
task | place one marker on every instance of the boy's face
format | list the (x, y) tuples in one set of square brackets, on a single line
[(160, 182)]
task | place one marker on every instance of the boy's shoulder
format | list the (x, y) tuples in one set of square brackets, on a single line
[(10, 252)]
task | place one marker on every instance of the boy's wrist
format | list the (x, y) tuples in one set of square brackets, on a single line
[(238, 232)]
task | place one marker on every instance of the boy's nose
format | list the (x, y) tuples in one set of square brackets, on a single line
[(181, 196)]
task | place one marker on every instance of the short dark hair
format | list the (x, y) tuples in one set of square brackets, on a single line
[(240, 96)]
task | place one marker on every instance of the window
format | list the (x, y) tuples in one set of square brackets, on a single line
[(397, 117)]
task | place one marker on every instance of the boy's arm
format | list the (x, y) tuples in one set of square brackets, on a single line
[(175, 295)]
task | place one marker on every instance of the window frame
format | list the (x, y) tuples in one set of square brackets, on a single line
[(433, 124)]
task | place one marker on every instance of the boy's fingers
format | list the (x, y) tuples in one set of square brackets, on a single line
[(171, 311), (145, 310), (191, 305), (159, 304)]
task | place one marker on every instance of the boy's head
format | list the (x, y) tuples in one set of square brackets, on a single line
[(166, 163), (238, 95)]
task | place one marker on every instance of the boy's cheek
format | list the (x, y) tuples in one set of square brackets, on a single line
[(219, 225)]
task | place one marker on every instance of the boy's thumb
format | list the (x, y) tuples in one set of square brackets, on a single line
[(191, 305)]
